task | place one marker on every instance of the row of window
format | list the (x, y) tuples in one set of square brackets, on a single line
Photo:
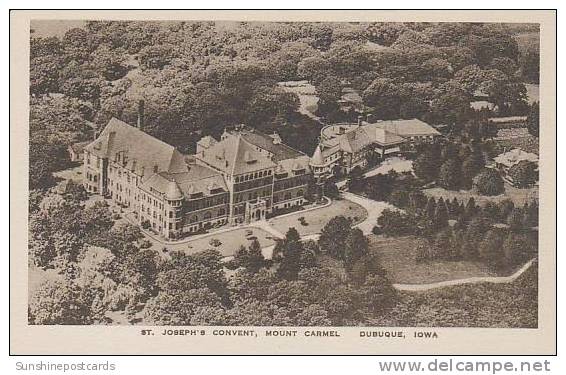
[(252, 176), (253, 184), (206, 216), (206, 202), (290, 183), (252, 195), (89, 160), (92, 177), (286, 196)]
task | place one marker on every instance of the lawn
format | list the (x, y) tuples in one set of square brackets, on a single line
[(518, 196), (75, 174), (230, 242), (308, 100), (397, 257), (317, 219)]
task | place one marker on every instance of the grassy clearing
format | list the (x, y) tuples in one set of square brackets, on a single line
[(317, 219), (230, 242), (397, 257), (75, 174)]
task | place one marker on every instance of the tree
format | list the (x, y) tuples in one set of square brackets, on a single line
[(77, 44), (395, 223), (313, 69), (355, 179), (531, 214), (489, 182), (331, 190), (471, 166), (170, 308), (58, 302), (333, 236), (356, 247), (449, 176), (516, 248), (471, 208), (386, 33), (475, 232), (289, 250), (515, 220), (533, 119), (442, 244), (430, 208), (508, 95), (377, 293), (490, 248), (156, 56), (426, 166), (470, 77), (110, 63), (44, 74), (329, 89), (441, 214), (505, 207), (530, 65), (251, 258), (504, 64), (523, 174)]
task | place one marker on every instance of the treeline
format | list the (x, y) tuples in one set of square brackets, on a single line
[(499, 234)]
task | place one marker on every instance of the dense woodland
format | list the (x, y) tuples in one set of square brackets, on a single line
[(198, 77)]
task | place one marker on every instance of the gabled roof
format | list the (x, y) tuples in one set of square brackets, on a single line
[(381, 136), (198, 179), (234, 155), (266, 142), (355, 140), (206, 141), (141, 151), (79, 146), (407, 128), (295, 165), (515, 156)]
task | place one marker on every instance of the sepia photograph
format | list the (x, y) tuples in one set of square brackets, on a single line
[(282, 174)]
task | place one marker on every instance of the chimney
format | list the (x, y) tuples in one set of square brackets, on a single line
[(360, 120), (141, 105)]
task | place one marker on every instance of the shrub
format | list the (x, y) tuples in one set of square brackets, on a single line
[(449, 176), (396, 223), (524, 174), (489, 182)]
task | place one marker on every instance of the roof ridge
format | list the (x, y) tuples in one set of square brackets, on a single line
[(139, 131), (233, 167)]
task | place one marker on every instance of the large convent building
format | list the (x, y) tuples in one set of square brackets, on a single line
[(242, 177)]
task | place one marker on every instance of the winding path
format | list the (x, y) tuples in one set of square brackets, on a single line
[(374, 209), (470, 280)]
